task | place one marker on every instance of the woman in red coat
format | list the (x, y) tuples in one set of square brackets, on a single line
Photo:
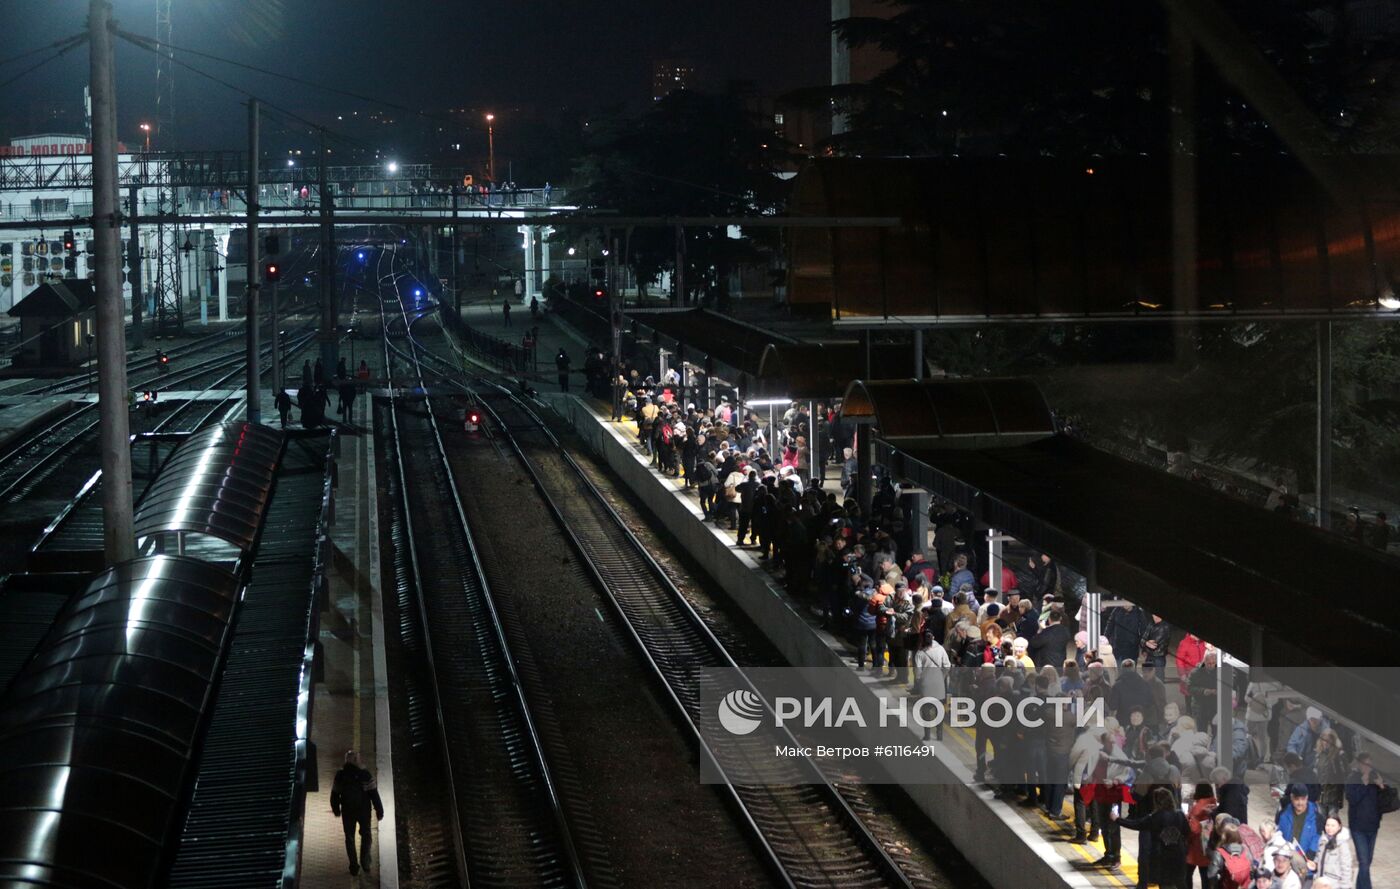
[(1189, 653)]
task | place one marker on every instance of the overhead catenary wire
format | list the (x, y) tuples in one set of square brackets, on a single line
[(66, 43), (62, 47), (155, 46), (152, 46)]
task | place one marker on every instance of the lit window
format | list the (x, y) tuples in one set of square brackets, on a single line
[(778, 119)]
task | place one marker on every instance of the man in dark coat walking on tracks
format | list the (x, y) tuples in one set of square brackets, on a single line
[(352, 797)]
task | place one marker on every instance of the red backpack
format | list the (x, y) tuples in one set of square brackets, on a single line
[(1236, 872)]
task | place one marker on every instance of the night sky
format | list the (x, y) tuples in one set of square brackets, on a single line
[(432, 54)]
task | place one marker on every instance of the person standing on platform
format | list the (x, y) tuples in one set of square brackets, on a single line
[(353, 795), (284, 406), (561, 363), (505, 312), (347, 400)]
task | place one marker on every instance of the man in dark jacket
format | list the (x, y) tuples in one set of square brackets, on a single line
[(561, 364), (352, 797), (1126, 628), (1048, 647), (1130, 691), (747, 489), (1364, 786), (1155, 640)]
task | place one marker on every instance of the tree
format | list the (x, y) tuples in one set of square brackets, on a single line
[(690, 154)]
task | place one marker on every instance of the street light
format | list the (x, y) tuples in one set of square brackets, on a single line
[(491, 147), (146, 128), (392, 166)]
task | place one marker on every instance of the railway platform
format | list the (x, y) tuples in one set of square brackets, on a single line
[(350, 703), (1034, 849)]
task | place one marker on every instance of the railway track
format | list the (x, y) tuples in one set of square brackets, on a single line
[(40, 455), (508, 826), (83, 382), (811, 834)]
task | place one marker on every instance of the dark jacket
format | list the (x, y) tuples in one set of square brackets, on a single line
[(1166, 856), (1130, 691), (354, 792), (1233, 797), (1049, 645), (1363, 804)]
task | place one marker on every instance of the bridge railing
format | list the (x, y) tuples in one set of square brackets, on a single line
[(279, 197)]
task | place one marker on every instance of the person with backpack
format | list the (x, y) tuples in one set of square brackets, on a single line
[(1164, 862), (352, 796), (869, 600), (708, 481), (1230, 864)]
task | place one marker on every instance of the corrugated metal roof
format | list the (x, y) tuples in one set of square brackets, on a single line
[(97, 731), (216, 483), (951, 413)]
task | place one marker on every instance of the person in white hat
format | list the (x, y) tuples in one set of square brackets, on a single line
[(1019, 655), (1303, 741)]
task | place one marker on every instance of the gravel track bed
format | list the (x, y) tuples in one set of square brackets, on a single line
[(625, 757), (421, 811), (888, 811)]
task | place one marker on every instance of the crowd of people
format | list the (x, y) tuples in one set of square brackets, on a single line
[(929, 618), (314, 395)]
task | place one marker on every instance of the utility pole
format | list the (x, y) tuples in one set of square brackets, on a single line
[(250, 303), (328, 307), (615, 319), (118, 536), (456, 247), (133, 265), (276, 342), (679, 282), (1324, 424)]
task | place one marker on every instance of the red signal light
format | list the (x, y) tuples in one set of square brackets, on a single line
[(164, 358), (475, 417)]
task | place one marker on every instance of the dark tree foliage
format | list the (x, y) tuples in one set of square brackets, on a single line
[(690, 154)]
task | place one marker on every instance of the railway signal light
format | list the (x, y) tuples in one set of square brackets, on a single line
[(472, 421), (600, 294), (69, 241), (272, 272)]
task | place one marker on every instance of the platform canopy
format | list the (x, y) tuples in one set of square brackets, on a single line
[(217, 484), (950, 413), (733, 345), (97, 732), (1309, 608), (994, 240), (807, 371)]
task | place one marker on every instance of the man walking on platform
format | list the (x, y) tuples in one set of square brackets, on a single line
[(352, 797), (561, 363)]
